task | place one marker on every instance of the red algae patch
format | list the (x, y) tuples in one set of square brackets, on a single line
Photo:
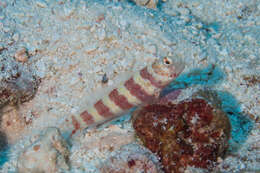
[(191, 133)]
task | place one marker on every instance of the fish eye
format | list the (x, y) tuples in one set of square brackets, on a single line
[(167, 61)]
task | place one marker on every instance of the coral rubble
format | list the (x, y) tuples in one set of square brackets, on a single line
[(17, 83), (21, 55), (48, 154), (131, 158), (89, 153), (191, 133), (147, 3)]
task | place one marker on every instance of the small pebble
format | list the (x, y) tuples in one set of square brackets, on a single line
[(90, 48), (10, 42), (104, 78), (141, 2), (152, 4), (16, 37), (68, 11), (21, 55), (41, 3), (147, 3), (1, 47), (101, 34)]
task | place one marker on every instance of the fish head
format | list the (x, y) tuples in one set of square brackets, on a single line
[(168, 68)]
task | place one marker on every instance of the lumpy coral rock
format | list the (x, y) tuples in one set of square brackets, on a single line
[(49, 154), (191, 133), (131, 158), (17, 82)]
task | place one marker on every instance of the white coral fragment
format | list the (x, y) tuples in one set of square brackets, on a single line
[(49, 154)]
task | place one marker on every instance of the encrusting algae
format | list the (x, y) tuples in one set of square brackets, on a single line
[(143, 87), (190, 133)]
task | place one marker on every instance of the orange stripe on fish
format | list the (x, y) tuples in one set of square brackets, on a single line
[(137, 91), (75, 124), (87, 117), (120, 100), (140, 88), (122, 90), (146, 75), (102, 109)]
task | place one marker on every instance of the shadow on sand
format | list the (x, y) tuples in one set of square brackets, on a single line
[(3, 149)]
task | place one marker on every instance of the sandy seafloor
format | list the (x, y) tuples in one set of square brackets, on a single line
[(72, 44)]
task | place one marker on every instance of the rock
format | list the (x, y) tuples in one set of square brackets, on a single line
[(147, 3), (190, 133), (1, 47), (16, 37), (41, 3), (12, 124), (152, 4), (49, 154), (131, 158), (21, 55), (112, 138), (17, 83), (97, 145)]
